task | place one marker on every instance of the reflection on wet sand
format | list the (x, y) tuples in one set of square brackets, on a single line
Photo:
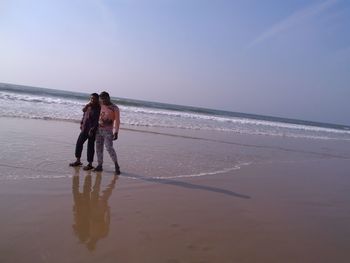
[(91, 211)]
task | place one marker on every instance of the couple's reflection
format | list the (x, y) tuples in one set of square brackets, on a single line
[(91, 210)]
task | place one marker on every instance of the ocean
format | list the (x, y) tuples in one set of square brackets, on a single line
[(48, 104)]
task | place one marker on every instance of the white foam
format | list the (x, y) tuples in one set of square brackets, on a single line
[(30, 177), (234, 120), (37, 99), (41, 107), (222, 171), (201, 174)]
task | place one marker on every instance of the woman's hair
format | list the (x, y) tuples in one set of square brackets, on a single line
[(94, 95), (104, 94)]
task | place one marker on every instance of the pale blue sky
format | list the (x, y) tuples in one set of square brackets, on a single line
[(280, 58)]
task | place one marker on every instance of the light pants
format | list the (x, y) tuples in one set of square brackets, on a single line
[(105, 137)]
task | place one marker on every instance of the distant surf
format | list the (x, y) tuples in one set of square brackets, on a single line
[(47, 104)]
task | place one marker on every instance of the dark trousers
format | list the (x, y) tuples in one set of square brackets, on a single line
[(83, 136)]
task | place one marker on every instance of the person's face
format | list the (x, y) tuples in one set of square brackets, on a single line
[(93, 100), (104, 100)]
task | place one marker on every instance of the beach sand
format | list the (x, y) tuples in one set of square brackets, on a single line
[(183, 196)]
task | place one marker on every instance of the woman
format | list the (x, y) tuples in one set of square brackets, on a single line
[(88, 128)]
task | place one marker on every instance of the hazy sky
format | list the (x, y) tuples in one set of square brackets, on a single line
[(280, 58)]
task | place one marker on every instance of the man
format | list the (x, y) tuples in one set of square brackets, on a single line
[(88, 127), (107, 132)]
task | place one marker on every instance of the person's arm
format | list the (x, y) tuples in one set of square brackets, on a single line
[(116, 123), (86, 107), (84, 111), (95, 119), (82, 121)]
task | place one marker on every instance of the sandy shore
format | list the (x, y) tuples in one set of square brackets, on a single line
[(184, 196)]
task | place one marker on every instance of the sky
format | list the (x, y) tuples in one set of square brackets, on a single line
[(279, 58)]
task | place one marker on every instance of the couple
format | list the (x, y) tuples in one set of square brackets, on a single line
[(101, 121)]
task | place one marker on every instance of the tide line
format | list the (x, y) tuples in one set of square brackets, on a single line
[(223, 171)]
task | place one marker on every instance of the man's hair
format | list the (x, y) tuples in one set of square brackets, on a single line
[(94, 95), (104, 94)]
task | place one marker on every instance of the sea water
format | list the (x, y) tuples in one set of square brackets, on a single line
[(47, 104)]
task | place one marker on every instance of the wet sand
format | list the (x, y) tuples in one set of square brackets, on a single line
[(184, 196)]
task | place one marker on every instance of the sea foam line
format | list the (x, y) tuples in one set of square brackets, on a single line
[(230, 120), (222, 171)]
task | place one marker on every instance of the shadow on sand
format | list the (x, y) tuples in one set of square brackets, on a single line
[(186, 185)]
